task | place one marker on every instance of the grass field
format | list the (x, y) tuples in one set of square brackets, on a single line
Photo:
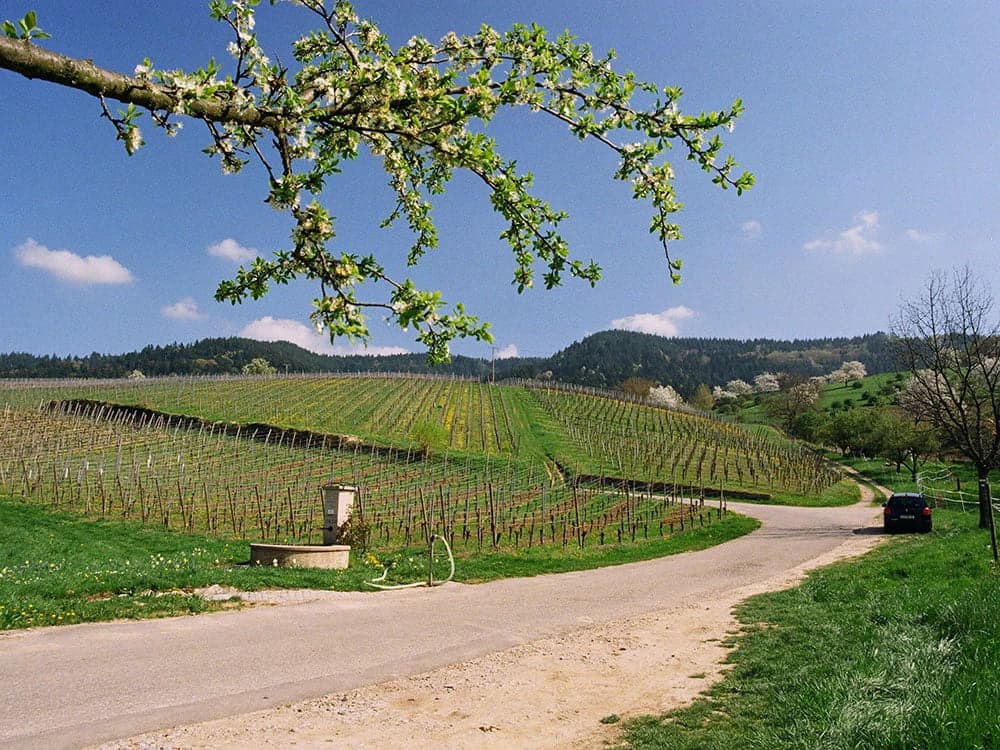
[(900, 649), (868, 391), (58, 568)]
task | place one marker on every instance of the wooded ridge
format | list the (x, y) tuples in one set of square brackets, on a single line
[(602, 360)]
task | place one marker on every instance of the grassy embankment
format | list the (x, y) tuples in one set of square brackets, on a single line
[(899, 649), (58, 568), (868, 391)]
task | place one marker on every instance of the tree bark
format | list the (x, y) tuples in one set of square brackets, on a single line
[(32, 61), (986, 520), (984, 497)]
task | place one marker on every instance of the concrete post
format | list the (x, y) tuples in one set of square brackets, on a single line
[(337, 502)]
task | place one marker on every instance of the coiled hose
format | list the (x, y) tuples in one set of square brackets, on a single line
[(377, 583)]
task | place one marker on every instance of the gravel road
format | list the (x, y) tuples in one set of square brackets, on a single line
[(313, 657)]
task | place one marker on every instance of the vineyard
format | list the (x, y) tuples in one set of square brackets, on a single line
[(647, 444), (521, 466), (475, 416)]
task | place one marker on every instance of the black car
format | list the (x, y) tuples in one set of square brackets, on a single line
[(907, 511)]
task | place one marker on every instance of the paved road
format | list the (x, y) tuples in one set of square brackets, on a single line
[(84, 684)]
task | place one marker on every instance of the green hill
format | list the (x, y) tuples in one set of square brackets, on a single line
[(605, 359), (602, 360)]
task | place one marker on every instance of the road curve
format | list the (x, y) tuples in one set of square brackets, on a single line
[(80, 685)]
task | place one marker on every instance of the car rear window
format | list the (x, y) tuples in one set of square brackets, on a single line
[(906, 503)]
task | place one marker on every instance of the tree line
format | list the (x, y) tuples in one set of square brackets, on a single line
[(609, 358), (225, 356), (603, 360)]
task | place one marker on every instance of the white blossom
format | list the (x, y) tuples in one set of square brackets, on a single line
[(133, 139), (852, 370), (739, 387), (664, 395), (766, 382)]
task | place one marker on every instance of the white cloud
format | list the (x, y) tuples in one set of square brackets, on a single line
[(279, 329), (855, 240), (182, 309), (506, 352), (90, 269), (232, 250), (662, 324), (918, 236), (751, 229)]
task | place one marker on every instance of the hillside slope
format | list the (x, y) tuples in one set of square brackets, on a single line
[(605, 359)]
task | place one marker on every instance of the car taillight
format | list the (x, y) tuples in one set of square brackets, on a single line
[(926, 512), (887, 511)]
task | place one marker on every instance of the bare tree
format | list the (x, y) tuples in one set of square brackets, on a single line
[(949, 339)]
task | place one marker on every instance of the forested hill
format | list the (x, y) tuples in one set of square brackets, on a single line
[(604, 360), (228, 356), (608, 358)]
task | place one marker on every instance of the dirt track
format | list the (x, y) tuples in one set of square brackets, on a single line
[(520, 663)]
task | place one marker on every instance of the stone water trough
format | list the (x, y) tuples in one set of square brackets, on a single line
[(337, 502)]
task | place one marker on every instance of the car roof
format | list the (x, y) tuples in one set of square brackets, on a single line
[(908, 494)]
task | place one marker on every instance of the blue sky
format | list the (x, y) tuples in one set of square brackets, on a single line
[(872, 130)]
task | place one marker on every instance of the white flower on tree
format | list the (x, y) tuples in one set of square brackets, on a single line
[(739, 387), (852, 370), (664, 395), (766, 382), (423, 111), (721, 394)]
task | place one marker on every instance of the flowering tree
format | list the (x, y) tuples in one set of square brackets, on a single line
[(766, 382), (739, 388), (664, 395), (259, 366), (721, 394), (733, 390), (421, 110), (949, 340), (852, 370)]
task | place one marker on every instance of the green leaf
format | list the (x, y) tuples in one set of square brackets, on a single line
[(424, 112)]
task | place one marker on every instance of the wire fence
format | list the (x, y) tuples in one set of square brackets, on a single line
[(935, 484)]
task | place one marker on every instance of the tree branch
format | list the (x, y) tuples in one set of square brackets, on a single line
[(32, 61)]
